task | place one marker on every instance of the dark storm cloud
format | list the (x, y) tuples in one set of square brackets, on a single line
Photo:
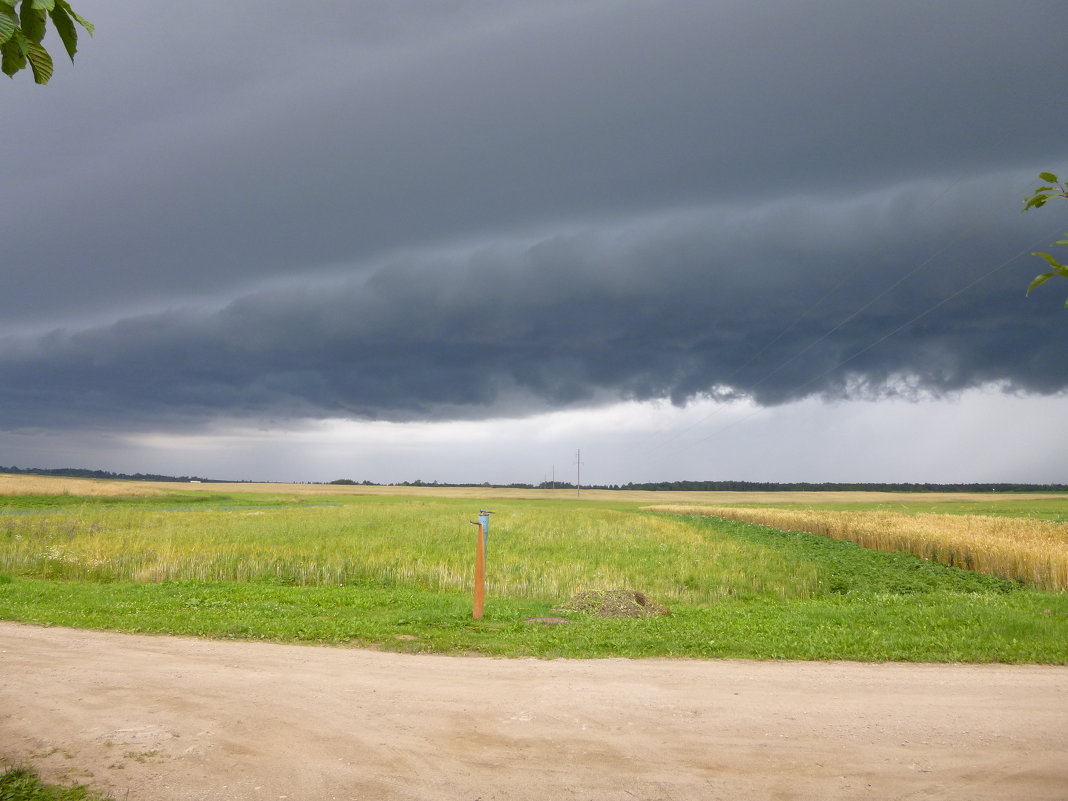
[(715, 300), (441, 210), (182, 157)]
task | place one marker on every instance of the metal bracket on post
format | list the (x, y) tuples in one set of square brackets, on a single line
[(483, 518)]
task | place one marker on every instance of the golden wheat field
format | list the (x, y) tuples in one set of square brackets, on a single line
[(1032, 551)]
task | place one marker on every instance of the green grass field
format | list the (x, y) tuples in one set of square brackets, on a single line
[(395, 572), (23, 784)]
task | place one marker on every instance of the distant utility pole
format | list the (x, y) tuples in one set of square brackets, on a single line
[(578, 473)]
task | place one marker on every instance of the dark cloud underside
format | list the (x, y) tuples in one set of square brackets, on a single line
[(673, 307), (449, 210)]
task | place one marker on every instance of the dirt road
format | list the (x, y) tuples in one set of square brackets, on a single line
[(163, 719)]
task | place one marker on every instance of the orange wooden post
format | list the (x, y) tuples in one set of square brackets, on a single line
[(480, 574)]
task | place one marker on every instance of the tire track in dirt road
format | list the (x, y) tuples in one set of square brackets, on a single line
[(177, 719)]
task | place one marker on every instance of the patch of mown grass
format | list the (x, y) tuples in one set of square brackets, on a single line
[(23, 784)]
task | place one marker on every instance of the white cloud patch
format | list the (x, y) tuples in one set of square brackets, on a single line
[(983, 435)]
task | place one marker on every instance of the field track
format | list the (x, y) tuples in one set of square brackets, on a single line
[(169, 719)]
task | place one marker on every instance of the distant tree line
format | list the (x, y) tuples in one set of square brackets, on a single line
[(827, 486), (745, 486), (650, 486), (79, 472)]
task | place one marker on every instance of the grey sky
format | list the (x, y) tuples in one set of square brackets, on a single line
[(228, 215)]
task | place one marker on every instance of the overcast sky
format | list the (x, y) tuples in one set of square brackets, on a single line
[(459, 241)]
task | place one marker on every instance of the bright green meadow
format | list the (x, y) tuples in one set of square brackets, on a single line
[(396, 573)]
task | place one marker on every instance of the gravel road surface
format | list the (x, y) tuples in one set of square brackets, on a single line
[(171, 719)]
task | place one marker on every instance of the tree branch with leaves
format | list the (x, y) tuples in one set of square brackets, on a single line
[(23, 24), (1052, 187)]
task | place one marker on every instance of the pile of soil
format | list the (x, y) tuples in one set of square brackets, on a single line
[(613, 603)]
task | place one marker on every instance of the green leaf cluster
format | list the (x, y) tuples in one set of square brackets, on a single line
[(1052, 187), (1044, 194), (23, 24)]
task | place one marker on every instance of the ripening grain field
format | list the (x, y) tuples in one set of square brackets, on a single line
[(1031, 551), (538, 551), (395, 570)]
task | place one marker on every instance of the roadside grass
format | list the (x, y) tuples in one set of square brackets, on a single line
[(395, 573), (23, 784), (1019, 626), (1025, 549)]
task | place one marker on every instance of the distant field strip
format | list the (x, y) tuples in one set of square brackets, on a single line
[(1032, 551), (13, 485)]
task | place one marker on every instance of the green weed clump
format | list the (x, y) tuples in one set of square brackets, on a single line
[(23, 784)]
